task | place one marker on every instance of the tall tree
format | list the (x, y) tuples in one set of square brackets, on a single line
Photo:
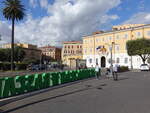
[(13, 10), (19, 54), (2, 55), (140, 47)]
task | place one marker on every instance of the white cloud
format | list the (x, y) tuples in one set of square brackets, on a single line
[(41, 3), (33, 3), (139, 18), (44, 3), (66, 20), (5, 32)]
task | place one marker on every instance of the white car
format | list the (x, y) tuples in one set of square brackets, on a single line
[(144, 67)]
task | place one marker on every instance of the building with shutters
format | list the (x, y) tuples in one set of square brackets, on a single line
[(71, 50), (98, 46), (51, 53)]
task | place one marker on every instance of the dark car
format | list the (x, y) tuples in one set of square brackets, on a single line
[(33, 67), (42, 67)]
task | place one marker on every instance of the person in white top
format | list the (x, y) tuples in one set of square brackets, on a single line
[(97, 70), (115, 72)]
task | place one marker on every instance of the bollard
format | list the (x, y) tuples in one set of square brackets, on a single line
[(47, 80), (55, 78), (20, 80), (38, 82), (88, 73), (9, 87), (63, 77), (1, 86), (93, 72), (85, 74), (29, 85), (68, 76), (73, 75), (79, 76)]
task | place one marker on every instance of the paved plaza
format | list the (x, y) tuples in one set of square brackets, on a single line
[(130, 94)]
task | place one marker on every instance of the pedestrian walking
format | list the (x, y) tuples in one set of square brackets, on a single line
[(115, 72), (97, 70)]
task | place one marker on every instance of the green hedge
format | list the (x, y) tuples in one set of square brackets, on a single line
[(11, 86), (21, 66), (5, 66), (123, 69)]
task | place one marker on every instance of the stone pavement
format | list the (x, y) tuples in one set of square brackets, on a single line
[(131, 94)]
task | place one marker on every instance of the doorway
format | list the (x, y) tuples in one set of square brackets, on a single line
[(103, 61)]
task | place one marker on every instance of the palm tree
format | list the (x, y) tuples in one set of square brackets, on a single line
[(13, 10)]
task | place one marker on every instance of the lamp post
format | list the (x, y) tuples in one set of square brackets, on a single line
[(41, 61), (0, 40), (111, 56), (113, 43), (131, 56)]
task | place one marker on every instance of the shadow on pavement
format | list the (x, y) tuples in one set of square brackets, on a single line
[(119, 79), (103, 84), (47, 99)]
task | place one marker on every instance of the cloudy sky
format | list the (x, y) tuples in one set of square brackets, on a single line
[(53, 21)]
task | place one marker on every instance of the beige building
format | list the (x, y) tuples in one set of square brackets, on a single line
[(32, 52), (126, 26), (51, 52), (114, 40), (71, 50)]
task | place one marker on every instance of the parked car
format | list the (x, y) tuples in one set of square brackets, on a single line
[(35, 67), (42, 67), (144, 67)]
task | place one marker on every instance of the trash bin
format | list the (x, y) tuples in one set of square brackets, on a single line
[(63, 77), (47, 80), (68, 76), (29, 85), (1, 87), (55, 78), (9, 87), (20, 80), (72, 75)]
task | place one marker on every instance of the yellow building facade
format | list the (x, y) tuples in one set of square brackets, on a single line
[(71, 50), (114, 42)]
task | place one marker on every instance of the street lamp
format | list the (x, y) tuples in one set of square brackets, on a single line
[(0, 37), (111, 56), (41, 56), (131, 55), (0, 40)]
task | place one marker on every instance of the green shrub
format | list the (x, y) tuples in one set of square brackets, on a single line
[(5, 66), (31, 61), (1, 65), (21, 66), (123, 69)]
